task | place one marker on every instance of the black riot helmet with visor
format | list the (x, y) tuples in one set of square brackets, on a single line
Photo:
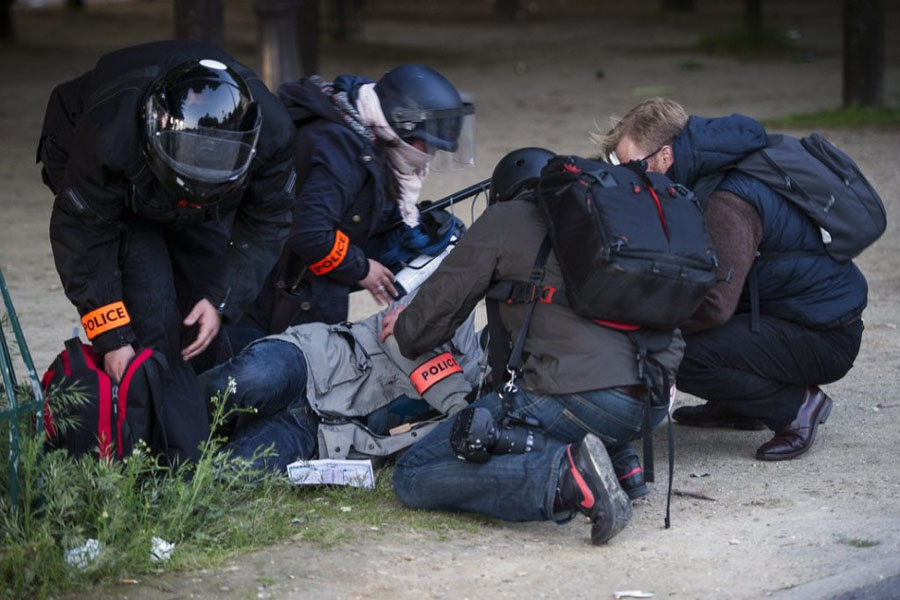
[(516, 170), (421, 104), (201, 129)]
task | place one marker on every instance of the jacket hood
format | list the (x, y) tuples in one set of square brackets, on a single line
[(305, 98), (707, 145)]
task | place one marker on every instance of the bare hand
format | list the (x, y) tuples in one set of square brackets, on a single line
[(116, 361), (388, 321), (379, 282), (208, 318)]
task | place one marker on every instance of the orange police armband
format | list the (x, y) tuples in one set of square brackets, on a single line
[(335, 257), (105, 318), (430, 372)]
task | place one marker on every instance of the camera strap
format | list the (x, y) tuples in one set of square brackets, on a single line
[(514, 362)]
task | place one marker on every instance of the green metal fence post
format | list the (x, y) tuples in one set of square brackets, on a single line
[(37, 392), (9, 384), (14, 410)]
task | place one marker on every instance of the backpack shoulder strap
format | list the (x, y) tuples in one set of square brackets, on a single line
[(537, 276), (658, 390), (498, 343), (156, 367)]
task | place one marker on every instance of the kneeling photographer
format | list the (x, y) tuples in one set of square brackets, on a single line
[(555, 440)]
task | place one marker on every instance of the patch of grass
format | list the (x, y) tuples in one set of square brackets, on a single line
[(744, 41), (210, 510), (653, 90), (689, 64), (858, 543), (851, 116)]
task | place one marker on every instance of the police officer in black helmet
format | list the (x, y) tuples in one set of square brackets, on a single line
[(362, 149), (171, 165)]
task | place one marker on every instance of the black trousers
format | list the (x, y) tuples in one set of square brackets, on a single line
[(765, 375), (163, 275)]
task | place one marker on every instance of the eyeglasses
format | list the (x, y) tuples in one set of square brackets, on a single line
[(614, 158)]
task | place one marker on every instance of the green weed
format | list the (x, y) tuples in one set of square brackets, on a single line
[(858, 543), (210, 510), (852, 116), (745, 41)]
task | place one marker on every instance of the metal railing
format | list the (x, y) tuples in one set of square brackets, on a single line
[(13, 411)]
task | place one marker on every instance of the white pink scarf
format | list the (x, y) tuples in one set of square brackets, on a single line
[(408, 164)]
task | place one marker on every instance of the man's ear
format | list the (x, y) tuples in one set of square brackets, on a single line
[(666, 158)]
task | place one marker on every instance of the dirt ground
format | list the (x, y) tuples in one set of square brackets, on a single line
[(809, 528)]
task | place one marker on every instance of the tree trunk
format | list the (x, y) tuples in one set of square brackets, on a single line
[(201, 20), (686, 6), (753, 17), (279, 54), (340, 19), (864, 52), (308, 38), (506, 9), (6, 20)]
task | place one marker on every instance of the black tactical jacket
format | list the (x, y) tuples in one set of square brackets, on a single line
[(93, 160)]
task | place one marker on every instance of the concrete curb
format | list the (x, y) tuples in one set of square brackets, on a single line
[(877, 580)]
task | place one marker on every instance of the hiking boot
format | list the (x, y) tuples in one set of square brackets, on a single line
[(631, 476), (713, 415), (588, 484)]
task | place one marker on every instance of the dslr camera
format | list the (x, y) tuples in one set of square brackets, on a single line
[(475, 435)]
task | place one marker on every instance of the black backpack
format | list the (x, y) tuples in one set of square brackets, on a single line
[(633, 246), (826, 184), (112, 417)]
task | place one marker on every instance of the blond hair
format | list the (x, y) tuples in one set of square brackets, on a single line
[(650, 124)]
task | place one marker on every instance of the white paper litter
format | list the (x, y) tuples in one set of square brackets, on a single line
[(82, 556), (633, 594), (354, 473), (160, 550)]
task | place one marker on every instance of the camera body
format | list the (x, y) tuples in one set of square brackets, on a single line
[(476, 436)]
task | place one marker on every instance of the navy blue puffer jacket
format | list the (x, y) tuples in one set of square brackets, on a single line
[(797, 280)]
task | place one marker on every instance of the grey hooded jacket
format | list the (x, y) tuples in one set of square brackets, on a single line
[(351, 374)]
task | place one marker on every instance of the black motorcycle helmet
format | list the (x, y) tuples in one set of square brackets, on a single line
[(515, 170), (420, 103), (201, 128)]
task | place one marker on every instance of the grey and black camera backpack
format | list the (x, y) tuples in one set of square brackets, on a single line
[(820, 179)]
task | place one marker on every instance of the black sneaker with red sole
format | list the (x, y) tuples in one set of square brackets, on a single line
[(631, 476), (588, 483)]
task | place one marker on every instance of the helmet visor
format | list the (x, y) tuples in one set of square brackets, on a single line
[(201, 154), (449, 133), (461, 153)]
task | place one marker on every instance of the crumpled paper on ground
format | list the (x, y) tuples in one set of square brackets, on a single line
[(84, 554)]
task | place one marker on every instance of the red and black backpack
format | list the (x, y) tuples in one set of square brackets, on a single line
[(112, 417)]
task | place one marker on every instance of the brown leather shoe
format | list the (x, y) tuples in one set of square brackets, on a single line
[(799, 435), (714, 415)]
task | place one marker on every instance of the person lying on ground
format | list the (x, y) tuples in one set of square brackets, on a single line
[(341, 391)]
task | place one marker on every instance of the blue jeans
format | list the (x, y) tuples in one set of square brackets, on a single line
[(518, 487), (270, 378)]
